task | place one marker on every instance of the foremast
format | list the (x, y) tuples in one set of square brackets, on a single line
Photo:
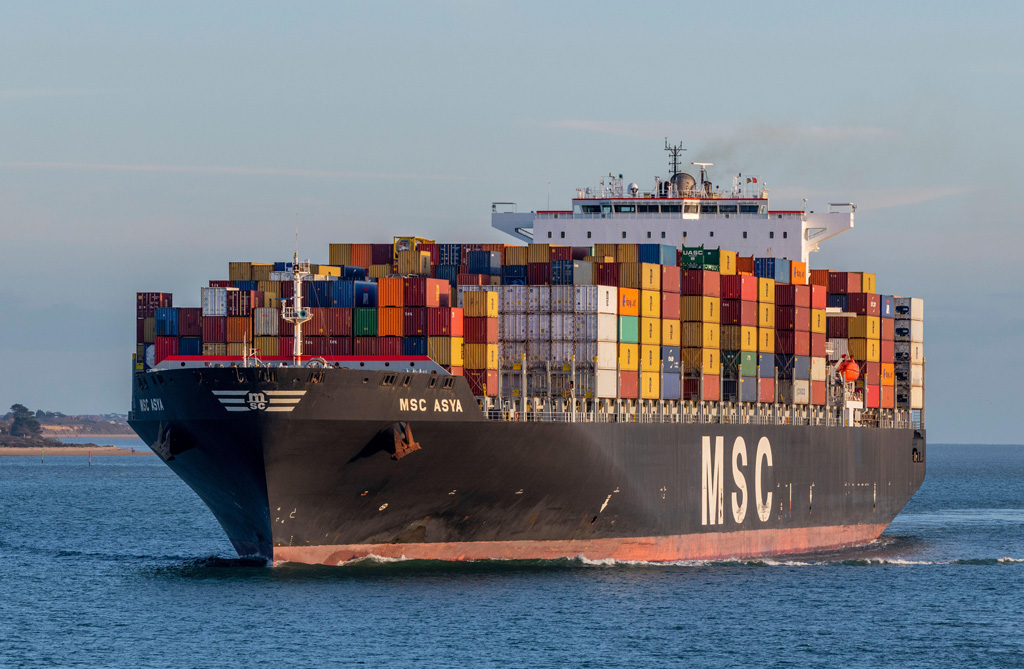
[(295, 313)]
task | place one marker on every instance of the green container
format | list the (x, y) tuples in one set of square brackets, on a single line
[(364, 322), (748, 363), (629, 329), (692, 257), (743, 362), (711, 257)]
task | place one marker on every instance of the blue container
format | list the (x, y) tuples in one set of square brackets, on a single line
[(513, 275), (166, 322), (449, 273), (449, 254), (351, 272), (342, 294), (670, 386), (484, 262), (190, 346), (838, 301), (887, 306), (246, 285), (282, 267), (414, 345), (659, 254), (364, 293), (794, 367), (766, 365), (318, 293), (781, 270), (670, 360), (561, 272)]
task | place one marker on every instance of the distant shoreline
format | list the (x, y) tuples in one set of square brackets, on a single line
[(35, 451), (90, 436)]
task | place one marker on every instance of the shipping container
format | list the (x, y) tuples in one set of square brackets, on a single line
[(864, 350), (192, 346), (797, 273), (793, 296), (629, 329), (739, 312), (766, 290), (698, 282), (792, 342), (906, 330), (215, 329), (190, 322), (480, 356), (909, 308), (414, 322), (841, 283), (819, 322), (794, 392), (819, 297), (164, 346), (364, 293), (739, 288), (239, 329), (865, 327), (671, 278), (146, 304), (481, 330), (793, 318), (480, 304), (166, 322), (765, 340)]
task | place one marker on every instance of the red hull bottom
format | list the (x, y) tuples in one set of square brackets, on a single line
[(704, 546)]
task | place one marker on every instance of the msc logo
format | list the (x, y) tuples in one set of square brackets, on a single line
[(252, 400)]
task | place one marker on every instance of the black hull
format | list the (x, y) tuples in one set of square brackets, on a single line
[(329, 481)]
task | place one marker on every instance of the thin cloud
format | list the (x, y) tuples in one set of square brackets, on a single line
[(764, 133), (874, 199), (213, 169)]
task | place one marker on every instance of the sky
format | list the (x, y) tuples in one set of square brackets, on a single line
[(143, 146)]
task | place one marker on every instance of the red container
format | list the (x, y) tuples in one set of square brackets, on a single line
[(414, 322), (888, 328), (789, 295), (146, 304), (818, 343), (671, 279), (560, 253), (285, 328), (420, 291), (455, 371), (767, 392), (629, 385), (872, 397), (434, 252), (819, 297), (538, 273), (843, 283), (702, 282), (837, 327), (284, 346), (864, 304), (606, 274), (870, 372), (692, 388), (140, 329), (481, 330), (888, 397), (190, 322), (317, 325), (739, 288), (222, 284), (164, 347), (739, 312), (338, 321), (287, 290), (465, 279), (391, 346), (886, 351), (793, 318), (314, 347), (242, 302), (439, 293), (792, 342), (818, 277), (441, 322), (818, 390), (215, 329), (482, 381), (670, 306), (364, 346), (339, 346), (414, 291), (382, 254)]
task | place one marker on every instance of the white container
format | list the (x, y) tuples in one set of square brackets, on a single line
[(607, 327), (906, 351), (563, 299), (916, 397), (585, 300), (584, 327), (607, 354), (538, 352), (215, 301), (512, 327), (513, 299), (795, 392), (562, 351), (264, 322), (911, 308), (538, 328), (539, 301), (837, 348), (819, 369), (605, 383), (281, 276), (607, 300), (917, 376), (563, 327), (909, 330), (585, 352), (582, 272), (511, 352)]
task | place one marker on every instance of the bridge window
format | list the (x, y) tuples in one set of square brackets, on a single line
[(625, 209), (563, 234), (744, 234), (727, 208), (712, 233), (670, 209), (709, 209), (588, 234), (748, 208), (549, 234), (623, 234), (663, 234), (785, 235), (591, 209), (606, 209), (690, 208), (647, 208), (648, 235), (771, 235)]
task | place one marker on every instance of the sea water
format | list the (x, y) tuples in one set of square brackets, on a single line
[(118, 563)]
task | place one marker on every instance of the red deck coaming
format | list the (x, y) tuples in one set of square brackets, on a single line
[(704, 546)]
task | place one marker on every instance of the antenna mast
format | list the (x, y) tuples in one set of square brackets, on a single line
[(296, 314), (674, 150)]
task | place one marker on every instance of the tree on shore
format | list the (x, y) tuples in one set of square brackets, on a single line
[(24, 424)]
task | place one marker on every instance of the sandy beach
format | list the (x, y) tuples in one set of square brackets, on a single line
[(71, 450)]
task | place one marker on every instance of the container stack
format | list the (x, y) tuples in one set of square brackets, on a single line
[(909, 352)]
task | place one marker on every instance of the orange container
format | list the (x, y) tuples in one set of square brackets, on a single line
[(745, 265), (818, 277), (361, 255), (390, 293), (389, 321), (239, 329), (629, 302), (797, 272)]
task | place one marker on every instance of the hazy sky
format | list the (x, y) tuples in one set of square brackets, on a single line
[(143, 146)]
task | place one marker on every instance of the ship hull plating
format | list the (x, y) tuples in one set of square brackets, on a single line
[(326, 468)]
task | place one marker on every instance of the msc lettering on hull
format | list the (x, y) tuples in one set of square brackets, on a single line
[(712, 498), (420, 404)]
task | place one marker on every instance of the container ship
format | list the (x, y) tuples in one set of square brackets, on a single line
[(651, 375)]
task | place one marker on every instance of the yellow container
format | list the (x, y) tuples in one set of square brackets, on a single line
[(266, 346), (670, 333), (340, 254), (865, 327), (607, 250), (627, 253), (765, 340), (650, 303), (149, 330), (260, 271), (706, 360), (599, 258), (864, 350), (379, 271), (765, 315), (650, 276), (650, 385), (702, 335), (445, 350), (696, 309), (867, 283), (414, 262), (766, 291), (738, 338), (650, 331), (538, 253), (480, 356), (629, 357), (650, 359), (480, 304), (326, 270), (215, 349), (239, 271), (726, 263), (818, 321), (236, 349), (516, 255), (271, 300)]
